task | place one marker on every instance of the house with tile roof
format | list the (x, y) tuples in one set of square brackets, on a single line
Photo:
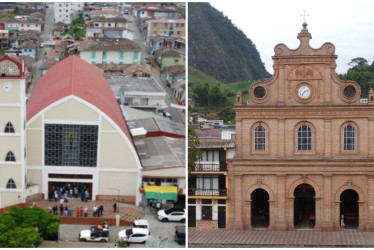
[(169, 57), (110, 51)]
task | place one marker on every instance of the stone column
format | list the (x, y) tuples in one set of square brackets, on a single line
[(238, 224), (290, 217), (370, 206), (281, 141), (271, 215), (361, 216), (318, 215), (280, 224), (327, 135), (326, 218), (337, 216), (248, 213), (238, 138)]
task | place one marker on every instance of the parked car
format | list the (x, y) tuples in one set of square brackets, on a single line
[(134, 235), (97, 233), (172, 214), (180, 234), (141, 223)]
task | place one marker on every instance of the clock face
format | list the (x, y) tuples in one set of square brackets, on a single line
[(8, 86), (304, 92)]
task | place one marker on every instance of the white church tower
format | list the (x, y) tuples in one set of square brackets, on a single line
[(12, 130)]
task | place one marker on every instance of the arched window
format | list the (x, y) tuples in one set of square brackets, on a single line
[(349, 137), (9, 128), (11, 184), (10, 156), (304, 138), (260, 138)]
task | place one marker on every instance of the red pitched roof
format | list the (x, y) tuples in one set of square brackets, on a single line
[(74, 76)]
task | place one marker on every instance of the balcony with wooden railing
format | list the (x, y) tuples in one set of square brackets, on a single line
[(212, 167), (207, 192)]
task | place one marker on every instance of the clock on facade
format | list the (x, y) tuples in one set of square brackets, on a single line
[(304, 92), (8, 86)]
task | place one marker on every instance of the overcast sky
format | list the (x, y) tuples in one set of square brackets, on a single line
[(349, 25)]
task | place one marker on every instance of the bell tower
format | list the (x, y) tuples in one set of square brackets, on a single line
[(12, 130)]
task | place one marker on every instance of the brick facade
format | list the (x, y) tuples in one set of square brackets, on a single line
[(304, 91)]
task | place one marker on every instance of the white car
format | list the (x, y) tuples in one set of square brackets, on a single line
[(95, 234), (134, 235), (141, 223), (172, 214)]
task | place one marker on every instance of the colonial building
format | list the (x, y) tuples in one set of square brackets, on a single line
[(304, 147), (207, 184)]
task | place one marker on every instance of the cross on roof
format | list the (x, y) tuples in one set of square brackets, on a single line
[(304, 15)]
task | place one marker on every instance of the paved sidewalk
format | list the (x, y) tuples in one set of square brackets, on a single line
[(262, 238)]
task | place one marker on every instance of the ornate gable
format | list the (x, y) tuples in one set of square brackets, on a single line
[(304, 76)]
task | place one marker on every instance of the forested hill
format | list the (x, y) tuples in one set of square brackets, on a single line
[(217, 48)]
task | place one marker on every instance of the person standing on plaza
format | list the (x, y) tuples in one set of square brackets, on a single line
[(115, 207), (342, 224), (101, 209), (94, 209), (85, 211)]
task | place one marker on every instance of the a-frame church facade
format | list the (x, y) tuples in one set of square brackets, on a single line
[(304, 147)]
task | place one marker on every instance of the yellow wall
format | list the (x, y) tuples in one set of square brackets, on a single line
[(115, 153), (11, 96), (126, 182), (14, 172), (10, 198), (34, 147), (35, 176), (72, 110)]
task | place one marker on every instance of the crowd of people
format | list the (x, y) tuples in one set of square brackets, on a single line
[(68, 190)]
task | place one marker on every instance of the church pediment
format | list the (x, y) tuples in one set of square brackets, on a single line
[(304, 72)]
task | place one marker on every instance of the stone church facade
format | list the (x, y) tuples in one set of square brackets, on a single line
[(304, 147)]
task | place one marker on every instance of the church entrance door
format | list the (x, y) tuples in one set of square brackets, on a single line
[(260, 208), (349, 208), (304, 207)]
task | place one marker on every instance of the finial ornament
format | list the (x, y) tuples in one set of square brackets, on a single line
[(304, 15)]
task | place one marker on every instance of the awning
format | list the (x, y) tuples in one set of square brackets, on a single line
[(161, 192)]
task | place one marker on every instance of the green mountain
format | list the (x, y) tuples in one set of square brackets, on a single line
[(218, 48)]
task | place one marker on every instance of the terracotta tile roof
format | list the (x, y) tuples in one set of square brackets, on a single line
[(123, 69), (217, 143), (167, 21), (168, 52), (111, 19), (22, 21), (175, 69), (108, 44), (28, 44), (101, 12), (47, 64), (75, 77), (209, 133)]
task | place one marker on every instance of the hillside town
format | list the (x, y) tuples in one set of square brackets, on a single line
[(93, 107)]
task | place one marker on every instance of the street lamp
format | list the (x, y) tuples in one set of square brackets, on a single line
[(117, 189)]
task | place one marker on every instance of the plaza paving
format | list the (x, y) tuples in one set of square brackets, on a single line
[(262, 238)]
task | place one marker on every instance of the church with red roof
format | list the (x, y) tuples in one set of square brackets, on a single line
[(77, 137)]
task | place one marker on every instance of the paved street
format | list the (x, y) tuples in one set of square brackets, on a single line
[(69, 234), (176, 114), (263, 238), (44, 36)]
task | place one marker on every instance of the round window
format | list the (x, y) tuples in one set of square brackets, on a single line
[(259, 92), (350, 91)]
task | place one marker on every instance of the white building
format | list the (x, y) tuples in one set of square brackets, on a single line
[(66, 11), (110, 51)]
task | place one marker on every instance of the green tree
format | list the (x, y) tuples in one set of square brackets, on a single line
[(194, 153), (16, 9), (227, 114), (23, 227)]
